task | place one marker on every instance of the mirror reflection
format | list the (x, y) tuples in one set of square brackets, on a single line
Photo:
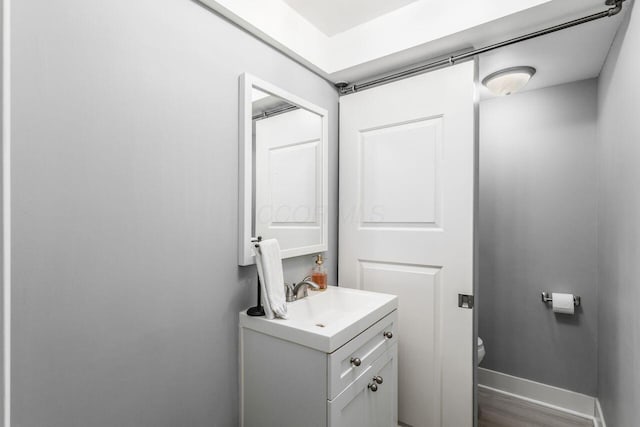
[(287, 147)]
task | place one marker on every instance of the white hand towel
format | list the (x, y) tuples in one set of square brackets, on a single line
[(269, 265)]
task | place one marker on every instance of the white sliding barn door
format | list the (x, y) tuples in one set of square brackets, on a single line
[(407, 167), (289, 181)]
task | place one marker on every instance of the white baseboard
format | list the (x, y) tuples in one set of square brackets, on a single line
[(544, 394), (599, 415)]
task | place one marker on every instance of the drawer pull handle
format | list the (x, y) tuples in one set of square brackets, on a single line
[(378, 379), (373, 387), (388, 335), (356, 361)]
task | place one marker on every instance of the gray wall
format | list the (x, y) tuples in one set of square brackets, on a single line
[(125, 278), (619, 227), (1, 210), (538, 232)]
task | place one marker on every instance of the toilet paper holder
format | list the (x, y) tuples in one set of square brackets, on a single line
[(546, 297)]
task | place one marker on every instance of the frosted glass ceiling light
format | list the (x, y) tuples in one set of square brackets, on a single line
[(509, 80)]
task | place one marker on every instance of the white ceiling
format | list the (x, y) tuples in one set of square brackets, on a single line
[(335, 16), (569, 55), (381, 36), (262, 101)]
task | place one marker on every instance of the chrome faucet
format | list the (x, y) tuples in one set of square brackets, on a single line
[(293, 291)]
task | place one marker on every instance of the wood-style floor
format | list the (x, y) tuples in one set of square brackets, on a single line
[(499, 410)]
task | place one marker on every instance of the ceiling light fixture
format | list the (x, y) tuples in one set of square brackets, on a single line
[(509, 80)]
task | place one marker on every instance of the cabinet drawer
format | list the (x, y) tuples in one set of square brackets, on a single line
[(366, 347), (360, 406)]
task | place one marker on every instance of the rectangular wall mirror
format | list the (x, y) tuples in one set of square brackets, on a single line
[(283, 170)]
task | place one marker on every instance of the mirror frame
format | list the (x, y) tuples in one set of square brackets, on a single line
[(245, 171)]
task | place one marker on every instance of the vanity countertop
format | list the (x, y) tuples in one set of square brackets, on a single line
[(326, 320)]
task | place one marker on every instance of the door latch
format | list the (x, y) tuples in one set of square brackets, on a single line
[(465, 301)]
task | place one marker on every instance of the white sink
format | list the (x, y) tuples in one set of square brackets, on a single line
[(326, 320)]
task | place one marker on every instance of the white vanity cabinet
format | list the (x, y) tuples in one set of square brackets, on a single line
[(325, 370)]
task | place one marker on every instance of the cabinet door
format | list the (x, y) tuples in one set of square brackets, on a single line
[(359, 406)]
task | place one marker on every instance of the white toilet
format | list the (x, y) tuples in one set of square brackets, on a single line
[(481, 350)]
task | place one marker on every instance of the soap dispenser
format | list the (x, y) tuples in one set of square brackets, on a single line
[(319, 273)]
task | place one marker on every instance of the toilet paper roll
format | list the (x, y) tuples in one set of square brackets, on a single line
[(563, 303)]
